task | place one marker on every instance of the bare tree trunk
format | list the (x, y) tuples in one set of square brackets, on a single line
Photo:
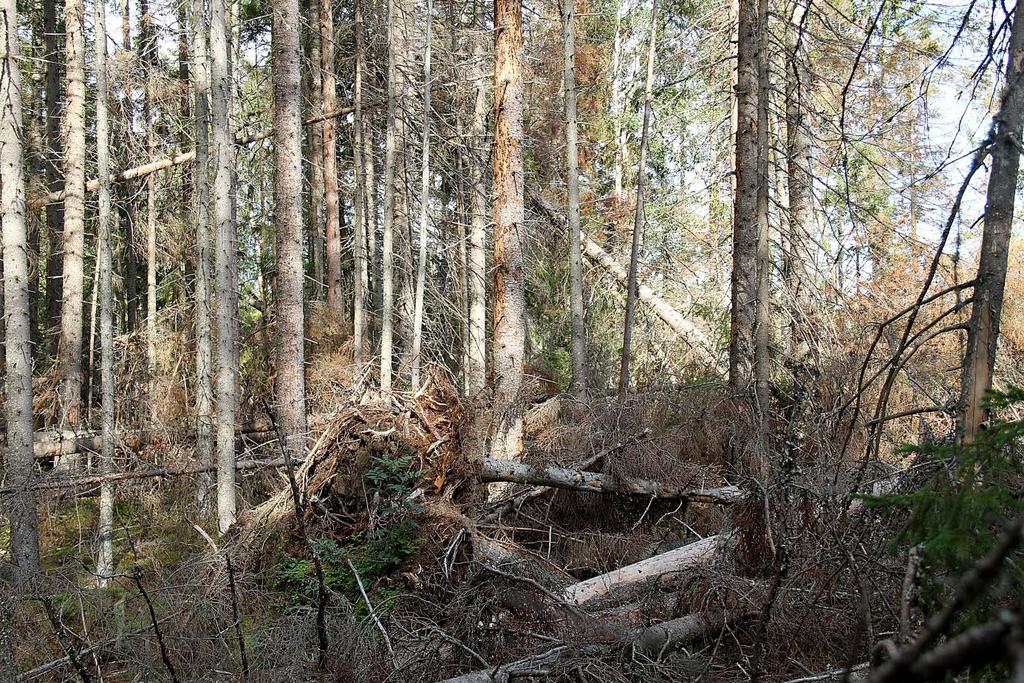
[(373, 276), (104, 256), (330, 158), (402, 229), (509, 281), (317, 231), (227, 260), (421, 267), (54, 150), (388, 257), (638, 218), (20, 507), (799, 257), (763, 323), (362, 206), (70, 354), (201, 225), (983, 333), (579, 329), (477, 267), (131, 273), (619, 153), (290, 383), (148, 55)]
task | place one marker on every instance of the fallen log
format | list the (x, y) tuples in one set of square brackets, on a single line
[(680, 559), (493, 470), (48, 444), (38, 202), (697, 338)]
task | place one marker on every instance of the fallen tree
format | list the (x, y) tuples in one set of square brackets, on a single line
[(48, 444), (681, 559), (493, 470)]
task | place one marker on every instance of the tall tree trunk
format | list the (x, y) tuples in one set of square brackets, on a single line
[(799, 258), (313, 140), (749, 272), (104, 256), (619, 153), (402, 228), (362, 206), (226, 248), (185, 107), (20, 507), (763, 323), (291, 402), (373, 276), (329, 98), (388, 238), (421, 267), (148, 54), (579, 329), (54, 151), (201, 225), (983, 333), (477, 267), (509, 281), (638, 217), (131, 274), (70, 354)]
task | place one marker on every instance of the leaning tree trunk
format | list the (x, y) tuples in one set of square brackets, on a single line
[(421, 266), (328, 84), (509, 282), (201, 225), (477, 264), (21, 506), (104, 256), (638, 218), (983, 333), (54, 148), (70, 354), (226, 261), (361, 223), (579, 330), (290, 383)]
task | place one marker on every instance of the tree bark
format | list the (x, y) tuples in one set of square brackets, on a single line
[(330, 159), (638, 218), (148, 55), (226, 261), (105, 560), (20, 507), (388, 238), (983, 333), (509, 281), (361, 201), (201, 225), (477, 266), (290, 382), (421, 266), (54, 151), (70, 352), (579, 329), (317, 230)]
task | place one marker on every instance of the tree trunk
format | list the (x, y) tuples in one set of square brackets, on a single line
[(361, 202), (104, 256), (579, 330), (54, 151), (388, 239), (20, 507), (638, 218), (148, 55), (290, 382), (70, 353), (983, 333), (421, 266), (616, 104), (330, 158), (477, 266), (201, 226), (509, 281), (317, 232), (226, 261)]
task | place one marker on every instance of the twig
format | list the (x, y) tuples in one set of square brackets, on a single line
[(64, 638), (236, 613), (369, 606), (137, 578)]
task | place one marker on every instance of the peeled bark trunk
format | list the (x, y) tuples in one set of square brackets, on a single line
[(332, 221), (362, 206), (105, 560), (421, 266), (579, 329), (201, 225), (70, 353), (638, 219), (983, 333), (54, 151), (509, 278), (388, 257), (21, 506), (477, 265), (290, 383), (226, 261)]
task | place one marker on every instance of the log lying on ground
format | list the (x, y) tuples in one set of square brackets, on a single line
[(47, 444), (681, 559), (595, 482)]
